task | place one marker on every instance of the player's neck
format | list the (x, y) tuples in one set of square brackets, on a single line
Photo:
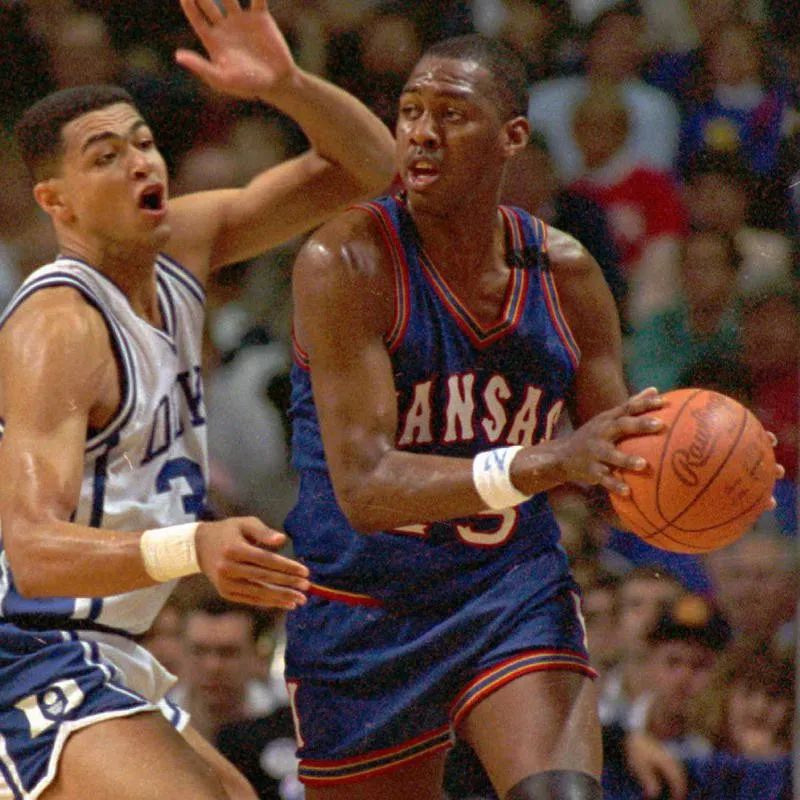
[(131, 269), (461, 245)]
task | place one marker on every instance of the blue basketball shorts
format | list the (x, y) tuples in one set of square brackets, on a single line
[(373, 689), (53, 683)]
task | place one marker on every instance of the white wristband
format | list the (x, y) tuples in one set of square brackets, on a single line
[(491, 474), (170, 552)]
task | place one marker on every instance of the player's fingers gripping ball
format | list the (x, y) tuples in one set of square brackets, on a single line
[(711, 475)]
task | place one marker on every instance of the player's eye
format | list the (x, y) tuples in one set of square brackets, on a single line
[(410, 110), (105, 158)]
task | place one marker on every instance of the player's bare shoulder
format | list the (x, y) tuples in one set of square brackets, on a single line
[(346, 267), (56, 341), (582, 289), (569, 259), (350, 245)]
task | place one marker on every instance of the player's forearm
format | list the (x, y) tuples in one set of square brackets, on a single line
[(339, 127), (408, 488), (56, 558)]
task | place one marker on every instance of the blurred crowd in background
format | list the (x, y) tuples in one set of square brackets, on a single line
[(665, 137)]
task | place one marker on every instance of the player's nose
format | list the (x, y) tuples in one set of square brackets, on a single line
[(424, 132)]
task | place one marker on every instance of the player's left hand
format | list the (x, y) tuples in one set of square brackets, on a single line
[(247, 54)]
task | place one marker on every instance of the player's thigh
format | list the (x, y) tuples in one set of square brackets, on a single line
[(141, 757), (420, 780), (540, 721), (237, 787)]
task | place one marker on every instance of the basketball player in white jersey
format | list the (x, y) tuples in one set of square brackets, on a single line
[(103, 454)]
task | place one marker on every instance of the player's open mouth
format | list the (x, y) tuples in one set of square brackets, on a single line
[(422, 173), (152, 199)]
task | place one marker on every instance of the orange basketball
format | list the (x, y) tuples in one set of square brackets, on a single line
[(711, 474)]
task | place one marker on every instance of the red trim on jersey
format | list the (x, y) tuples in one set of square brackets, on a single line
[(349, 598), (557, 315), (402, 292)]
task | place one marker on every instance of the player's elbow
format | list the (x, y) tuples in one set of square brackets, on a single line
[(358, 514), (24, 570), (357, 502), (20, 544)]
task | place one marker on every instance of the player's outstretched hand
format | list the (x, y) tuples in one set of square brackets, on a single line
[(238, 556), (588, 455), (247, 54)]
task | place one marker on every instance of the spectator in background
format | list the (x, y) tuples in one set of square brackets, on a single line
[(225, 675), (23, 59), (540, 32), (683, 649), (678, 59), (641, 203), (748, 710), (642, 595), (77, 48), (26, 236), (164, 638), (614, 54), (373, 59), (721, 194), (755, 582), (738, 103), (747, 716), (700, 324), (600, 613), (770, 331)]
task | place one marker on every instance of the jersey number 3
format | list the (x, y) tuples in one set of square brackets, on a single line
[(190, 471), (499, 528)]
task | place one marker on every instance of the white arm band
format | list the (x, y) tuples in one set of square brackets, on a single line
[(170, 552), (491, 474)]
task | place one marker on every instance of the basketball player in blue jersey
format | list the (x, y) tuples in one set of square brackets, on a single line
[(103, 454), (438, 338)]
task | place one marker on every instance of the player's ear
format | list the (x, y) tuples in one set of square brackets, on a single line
[(516, 133), (50, 197)]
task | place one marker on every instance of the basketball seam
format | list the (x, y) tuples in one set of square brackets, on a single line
[(713, 477), (661, 530)]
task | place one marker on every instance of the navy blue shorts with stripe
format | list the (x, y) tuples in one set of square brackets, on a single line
[(53, 683), (373, 689)]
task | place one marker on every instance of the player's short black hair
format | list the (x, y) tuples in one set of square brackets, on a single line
[(505, 67), (39, 130)]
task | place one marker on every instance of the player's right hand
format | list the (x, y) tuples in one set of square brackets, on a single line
[(238, 556), (588, 455)]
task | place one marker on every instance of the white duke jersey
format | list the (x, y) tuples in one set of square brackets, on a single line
[(147, 468)]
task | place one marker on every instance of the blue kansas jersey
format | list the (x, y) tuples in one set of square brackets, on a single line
[(461, 388)]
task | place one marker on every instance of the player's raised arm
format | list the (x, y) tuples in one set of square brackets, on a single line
[(350, 153), (59, 380)]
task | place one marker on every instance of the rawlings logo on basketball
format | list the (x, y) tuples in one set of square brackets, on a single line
[(687, 460)]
